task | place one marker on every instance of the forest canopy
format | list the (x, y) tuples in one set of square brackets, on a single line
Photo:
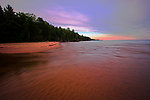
[(26, 27)]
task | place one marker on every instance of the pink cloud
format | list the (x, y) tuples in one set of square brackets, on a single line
[(80, 28), (61, 16)]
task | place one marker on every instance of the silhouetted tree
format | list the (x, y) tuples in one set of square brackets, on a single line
[(25, 27), (1, 15)]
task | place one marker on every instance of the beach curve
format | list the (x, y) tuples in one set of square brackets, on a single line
[(28, 47)]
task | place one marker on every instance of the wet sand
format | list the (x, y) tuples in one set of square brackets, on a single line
[(78, 71), (27, 47)]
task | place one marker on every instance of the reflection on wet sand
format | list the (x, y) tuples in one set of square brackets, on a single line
[(78, 71), (15, 62)]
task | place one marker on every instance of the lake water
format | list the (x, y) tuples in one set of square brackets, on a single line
[(93, 70)]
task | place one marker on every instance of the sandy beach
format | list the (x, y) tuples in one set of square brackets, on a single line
[(86, 70), (27, 47)]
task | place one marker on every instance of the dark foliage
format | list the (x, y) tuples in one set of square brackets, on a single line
[(25, 27)]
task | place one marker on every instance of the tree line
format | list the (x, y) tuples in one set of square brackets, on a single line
[(25, 27)]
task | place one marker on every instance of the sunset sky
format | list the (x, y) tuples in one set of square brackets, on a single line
[(99, 19)]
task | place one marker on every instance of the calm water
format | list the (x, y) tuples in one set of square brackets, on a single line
[(100, 70)]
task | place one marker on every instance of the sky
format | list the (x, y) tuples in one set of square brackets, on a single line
[(98, 19)]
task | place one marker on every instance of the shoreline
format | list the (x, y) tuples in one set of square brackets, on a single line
[(27, 47)]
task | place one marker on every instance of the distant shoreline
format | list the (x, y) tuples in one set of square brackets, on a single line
[(27, 47)]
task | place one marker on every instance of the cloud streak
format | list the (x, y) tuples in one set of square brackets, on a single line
[(61, 16), (80, 28)]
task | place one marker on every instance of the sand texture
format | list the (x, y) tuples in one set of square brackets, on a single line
[(27, 47)]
